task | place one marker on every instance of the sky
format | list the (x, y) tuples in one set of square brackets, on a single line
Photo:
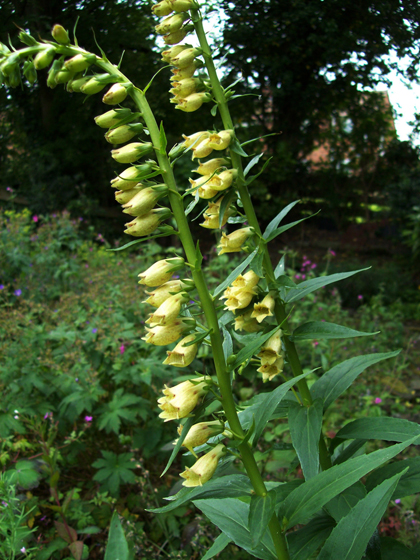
[(406, 102)]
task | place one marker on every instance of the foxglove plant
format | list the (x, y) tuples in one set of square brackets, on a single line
[(330, 512)]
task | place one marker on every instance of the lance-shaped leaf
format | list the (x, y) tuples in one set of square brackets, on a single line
[(408, 484), (306, 541), (235, 273), (341, 505), (305, 288), (232, 519), (336, 380), (305, 428), (322, 329), (185, 429), (282, 229), (391, 549), (253, 162), (117, 547), (261, 510), (219, 544), (301, 504), (276, 221), (356, 528)]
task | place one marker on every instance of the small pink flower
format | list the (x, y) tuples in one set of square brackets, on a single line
[(88, 418), (315, 344), (378, 400), (122, 349), (397, 501), (332, 253), (360, 297), (35, 218)]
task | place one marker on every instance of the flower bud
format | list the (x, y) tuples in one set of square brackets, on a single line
[(63, 76), (168, 311), (233, 242), (92, 86), (209, 167), (131, 176), (184, 57), (132, 152), (115, 117), (171, 24), (204, 468), (212, 215), (167, 334), (187, 72), (27, 39), (201, 181), (175, 37), (247, 323), (183, 5), (195, 139), (163, 8), (29, 71), (220, 140), (180, 400), (143, 201), (200, 433), (79, 62), (160, 272), (52, 74), (193, 102), (246, 281), (224, 180), (122, 197), (147, 223), (162, 293), (44, 58), (264, 308), (183, 88), (123, 133), (271, 370), (76, 85), (271, 350), (168, 54), (182, 356), (115, 95), (60, 35)]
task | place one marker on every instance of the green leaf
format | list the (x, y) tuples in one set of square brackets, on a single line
[(226, 200), (214, 110), (310, 497), (163, 140), (185, 429), (304, 542), (261, 510), (350, 450), (336, 380), (256, 265), (253, 177), (309, 286), (76, 548), (268, 404), (356, 528), (235, 147), (276, 221), (251, 348), (373, 549), (342, 504), (117, 547), (230, 486), (227, 343), (219, 544), (392, 549), (232, 519), (305, 429), (279, 270), (282, 229), (322, 329), (168, 230), (408, 484), (383, 427), (235, 273), (252, 163)]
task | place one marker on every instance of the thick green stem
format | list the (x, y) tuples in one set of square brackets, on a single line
[(280, 310)]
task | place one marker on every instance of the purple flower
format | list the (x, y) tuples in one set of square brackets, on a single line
[(35, 218), (397, 501), (88, 418), (331, 252), (378, 400), (360, 297), (94, 331), (9, 189), (18, 293), (1, 286), (122, 349)]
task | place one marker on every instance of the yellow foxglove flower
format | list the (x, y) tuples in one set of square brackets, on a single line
[(184, 57), (212, 215), (183, 5), (180, 400), (163, 8), (168, 311), (123, 133), (130, 177), (147, 223), (200, 182), (79, 62), (207, 192), (233, 242), (209, 167), (144, 200), (220, 140), (131, 152), (239, 300), (182, 356), (271, 370), (200, 433), (92, 86), (204, 468), (115, 95), (224, 180), (175, 37), (193, 102), (202, 149), (171, 24), (171, 53), (160, 272), (162, 293), (271, 351), (44, 58), (195, 139), (247, 323), (114, 117), (162, 335), (246, 281), (122, 197), (186, 72), (264, 308), (183, 88)]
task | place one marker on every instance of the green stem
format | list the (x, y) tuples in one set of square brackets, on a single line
[(280, 310)]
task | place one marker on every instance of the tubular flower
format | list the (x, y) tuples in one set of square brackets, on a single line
[(247, 281), (147, 223), (185, 87), (233, 242), (182, 356), (163, 8), (204, 468), (161, 294), (271, 370), (240, 294), (116, 94), (238, 300), (123, 133), (122, 197), (114, 117), (271, 351), (202, 149), (162, 335), (186, 72), (180, 400), (78, 63), (130, 177), (193, 102), (209, 167), (247, 323), (169, 54), (220, 140), (168, 311), (171, 24), (195, 139), (264, 308), (224, 180), (212, 215), (182, 5), (183, 58), (200, 433), (175, 37), (200, 182), (207, 192), (132, 152), (160, 272), (60, 34), (144, 200)]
